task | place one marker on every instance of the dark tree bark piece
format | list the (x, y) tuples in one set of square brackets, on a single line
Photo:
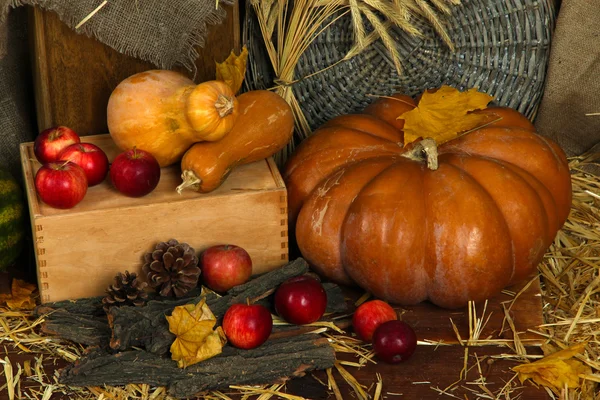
[(274, 361), (336, 301), (83, 329), (147, 326), (84, 321), (89, 306)]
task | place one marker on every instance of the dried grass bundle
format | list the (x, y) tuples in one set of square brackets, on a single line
[(289, 27)]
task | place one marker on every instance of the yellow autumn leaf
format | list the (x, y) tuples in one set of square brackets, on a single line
[(21, 296), (232, 70), (556, 371), (195, 341), (444, 114)]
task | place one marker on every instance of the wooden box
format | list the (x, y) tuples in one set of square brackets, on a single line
[(80, 250)]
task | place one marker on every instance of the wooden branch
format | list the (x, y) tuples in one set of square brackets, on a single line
[(147, 326), (84, 321), (84, 329), (275, 361)]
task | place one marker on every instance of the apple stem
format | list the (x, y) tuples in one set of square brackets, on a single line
[(190, 180)]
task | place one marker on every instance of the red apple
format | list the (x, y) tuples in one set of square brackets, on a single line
[(225, 266), (301, 300), (52, 141), (394, 341), (369, 315), (61, 184), (90, 157), (247, 326), (135, 172)]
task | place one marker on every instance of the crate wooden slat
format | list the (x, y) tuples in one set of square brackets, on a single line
[(80, 250)]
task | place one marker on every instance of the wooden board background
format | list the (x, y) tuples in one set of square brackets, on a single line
[(74, 75)]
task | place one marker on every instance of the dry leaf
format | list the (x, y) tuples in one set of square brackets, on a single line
[(233, 69), (556, 371), (196, 340), (21, 295), (444, 114)]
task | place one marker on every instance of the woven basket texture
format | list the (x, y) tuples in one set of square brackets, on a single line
[(501, 47)]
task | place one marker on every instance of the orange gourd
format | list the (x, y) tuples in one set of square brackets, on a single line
[(164, 113), (367, 211), (264, 126)]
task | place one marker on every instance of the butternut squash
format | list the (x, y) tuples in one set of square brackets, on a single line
[(264, 126), (164, 113)]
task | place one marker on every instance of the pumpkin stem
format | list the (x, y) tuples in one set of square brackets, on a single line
[(190, 180), (426, 149), (224, 105)]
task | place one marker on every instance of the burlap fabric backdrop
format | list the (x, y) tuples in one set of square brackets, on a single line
[(164, 32), (573, 80)]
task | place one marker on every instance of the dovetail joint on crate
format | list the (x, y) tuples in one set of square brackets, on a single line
[(283, 210), (40, 252)]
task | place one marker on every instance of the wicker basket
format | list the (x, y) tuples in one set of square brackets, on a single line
[(501, 47)]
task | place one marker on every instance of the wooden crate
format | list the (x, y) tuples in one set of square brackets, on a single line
[(74, 75), (79, 251)]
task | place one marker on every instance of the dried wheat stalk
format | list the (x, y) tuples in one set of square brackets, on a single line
[(289, 27)]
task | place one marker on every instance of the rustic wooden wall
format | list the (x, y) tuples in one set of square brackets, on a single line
[(74, 75)]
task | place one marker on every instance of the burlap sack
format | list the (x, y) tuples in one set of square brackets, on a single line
[(164, 32), (573, 80)]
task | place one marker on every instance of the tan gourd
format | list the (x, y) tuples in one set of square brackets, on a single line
[(164, 113), (264, 126)]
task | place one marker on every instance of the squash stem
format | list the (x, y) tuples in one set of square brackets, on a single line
[(425, 150), (190, 180), (224, 105)]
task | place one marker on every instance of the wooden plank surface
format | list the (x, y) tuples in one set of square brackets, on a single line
[(525, 310), (74, 75)]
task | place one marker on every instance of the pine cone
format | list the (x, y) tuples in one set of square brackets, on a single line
[(172, 268), (126, 291)]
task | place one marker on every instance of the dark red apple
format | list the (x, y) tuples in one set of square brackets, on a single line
[(394, 341), (300, 300), (61, 184), (52, 141), (247, 326), (90, 157), (135, 172), (369, 315), (225, 266)]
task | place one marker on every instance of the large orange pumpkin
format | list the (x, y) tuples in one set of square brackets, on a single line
[(365, 210)]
